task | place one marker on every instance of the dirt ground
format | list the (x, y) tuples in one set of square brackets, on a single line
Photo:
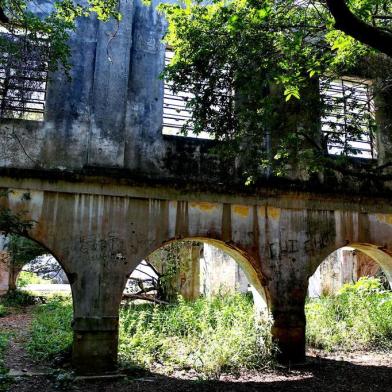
[(359, 372)]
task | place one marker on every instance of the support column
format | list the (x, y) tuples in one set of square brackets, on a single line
[(288, 332), (95, 345)]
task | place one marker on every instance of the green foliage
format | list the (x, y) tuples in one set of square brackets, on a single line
[(25, 278), (23, 250), (359, 316), (34, 32), (210, 336), (3, 345), (51, 331), (3, 310), (250, 67), (17, 298)]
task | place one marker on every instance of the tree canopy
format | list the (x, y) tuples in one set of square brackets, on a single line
[(238, 59)]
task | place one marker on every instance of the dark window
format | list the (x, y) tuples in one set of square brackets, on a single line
[(23, 77)]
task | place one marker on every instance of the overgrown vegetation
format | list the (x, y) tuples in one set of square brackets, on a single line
[(3, 345), (51, 332), (224, 49), (17, 298), (221, 334), (210, 336), (3, 310), (358, 317), (25, 278)]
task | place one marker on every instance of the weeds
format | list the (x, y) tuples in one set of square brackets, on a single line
[(51, 331), (210, 336), (3, 345), (358, 317), (3, 310), (17, 298), (25, 278), (221, 334)]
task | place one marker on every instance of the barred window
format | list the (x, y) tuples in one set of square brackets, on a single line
[(175, 110), (348, 125), (23, 76)]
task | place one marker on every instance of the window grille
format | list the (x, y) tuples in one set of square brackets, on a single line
[(175, 110), (23, 78), (348, 124)]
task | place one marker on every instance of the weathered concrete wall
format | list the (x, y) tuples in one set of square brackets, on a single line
[(109, 114), (346, 265), (100, 229), (220, 273), (180, 264)]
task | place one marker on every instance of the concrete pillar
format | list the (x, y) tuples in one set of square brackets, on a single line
[(4, 266), (288, 330), (95, 345)]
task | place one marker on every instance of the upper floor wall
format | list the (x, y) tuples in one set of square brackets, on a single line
[(109, 113)]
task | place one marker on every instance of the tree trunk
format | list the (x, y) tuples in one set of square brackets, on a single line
[(14, 273), (350, 24)]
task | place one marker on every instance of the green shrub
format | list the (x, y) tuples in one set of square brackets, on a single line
[(3, 345), (51, 331), (16, 298), (359, 316), (210, 336), (3, 310), (25, 278)]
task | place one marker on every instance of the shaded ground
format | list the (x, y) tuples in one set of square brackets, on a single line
[(16, 357), (359, 372)]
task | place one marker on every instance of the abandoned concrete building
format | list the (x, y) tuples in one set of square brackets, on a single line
[(105, 187)]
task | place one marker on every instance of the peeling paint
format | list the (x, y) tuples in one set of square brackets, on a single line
[(384, 218), (204, 206), (240, 210), (273, 213)]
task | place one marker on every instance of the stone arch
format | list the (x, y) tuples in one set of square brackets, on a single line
[(243, 258), (379, 254), (29, 236)]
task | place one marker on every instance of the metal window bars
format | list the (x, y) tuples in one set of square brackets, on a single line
[(23, 77), (176, 113), (348, 124)]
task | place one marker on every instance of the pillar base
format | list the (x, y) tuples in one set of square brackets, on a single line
[(291, 344), (95, 346)]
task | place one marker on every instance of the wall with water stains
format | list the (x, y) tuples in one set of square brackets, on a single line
[(100, 229)]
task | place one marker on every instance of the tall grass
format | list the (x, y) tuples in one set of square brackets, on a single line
[(358, 317), (3, 346), (51, 331), (210, 336)]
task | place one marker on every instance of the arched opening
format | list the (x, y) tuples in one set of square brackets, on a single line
[(349, 305), (193, 307), (27, 265), (36, 297)]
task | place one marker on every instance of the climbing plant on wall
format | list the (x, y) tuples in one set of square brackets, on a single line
[(35, 24)]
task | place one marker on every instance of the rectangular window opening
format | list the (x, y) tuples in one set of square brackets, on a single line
[(349, 123), (175, 110), (23, 77)]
